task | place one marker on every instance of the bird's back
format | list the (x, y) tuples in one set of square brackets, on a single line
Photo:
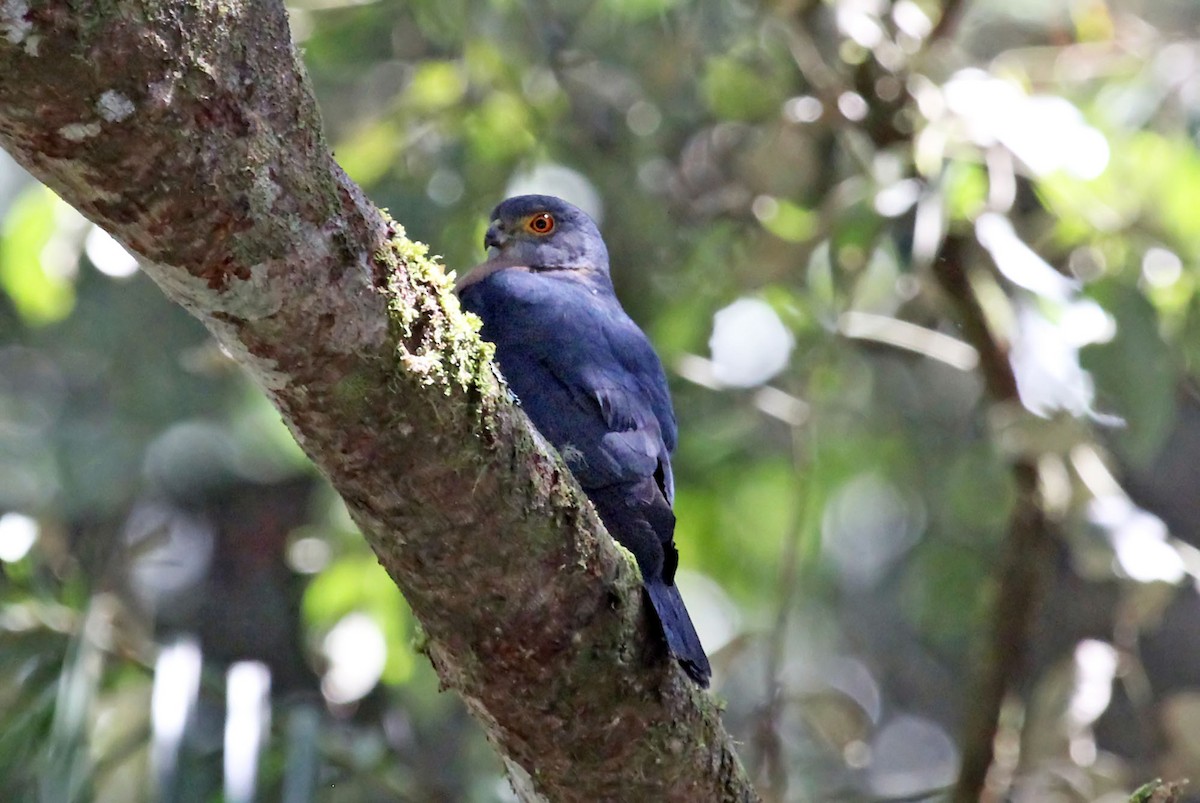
[(585, 374)]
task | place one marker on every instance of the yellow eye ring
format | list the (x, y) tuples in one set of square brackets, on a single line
[(541, 224)]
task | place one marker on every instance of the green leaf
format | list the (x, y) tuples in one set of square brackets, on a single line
[(368, 154), (436, 85), (26, 275), (356, 582), (1159, 792), (636, 10), (966, 190), (500, 128), (789, 221), (1134, 378), (734, 90)]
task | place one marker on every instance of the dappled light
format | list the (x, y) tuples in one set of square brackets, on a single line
[(911, 755), (1139, 541), (1047, 133), (554, 179), (356, 651), (749, 343), (172, 702), (108, 255), (868, 525), (247, 720), (17, 536)]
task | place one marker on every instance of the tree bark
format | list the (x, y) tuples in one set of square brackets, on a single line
[(186, 128)]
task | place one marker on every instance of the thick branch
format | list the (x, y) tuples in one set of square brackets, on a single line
[(188, 131)]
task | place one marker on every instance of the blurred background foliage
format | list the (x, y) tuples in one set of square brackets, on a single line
[(187, 614)]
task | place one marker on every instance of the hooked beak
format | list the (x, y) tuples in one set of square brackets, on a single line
[(495, 237)]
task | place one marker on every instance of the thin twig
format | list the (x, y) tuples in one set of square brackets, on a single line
[(951, 11), (799, 549)]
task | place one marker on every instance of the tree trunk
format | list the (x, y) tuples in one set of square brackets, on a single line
[(187, 129)]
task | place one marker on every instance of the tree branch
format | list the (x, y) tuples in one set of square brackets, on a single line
[(1021, 578), (188, 131), (952, 11)]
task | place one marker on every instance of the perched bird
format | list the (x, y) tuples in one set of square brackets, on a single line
[(591, 383)]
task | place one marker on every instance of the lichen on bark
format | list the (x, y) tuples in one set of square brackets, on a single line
[(437, 339)]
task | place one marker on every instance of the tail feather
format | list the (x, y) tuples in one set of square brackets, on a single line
[(682, 640)]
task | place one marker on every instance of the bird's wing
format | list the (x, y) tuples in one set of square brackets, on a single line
[(638, 359), (633, 351), (611, 431), (585, 374)]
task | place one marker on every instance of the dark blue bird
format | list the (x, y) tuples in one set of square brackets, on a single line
[(591, 383)]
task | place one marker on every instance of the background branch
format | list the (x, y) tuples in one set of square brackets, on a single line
[(1025, 561)]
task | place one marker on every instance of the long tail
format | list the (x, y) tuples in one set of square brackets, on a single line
[(681, 636)]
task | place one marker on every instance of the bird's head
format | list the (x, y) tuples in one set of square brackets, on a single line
[(542, 232)]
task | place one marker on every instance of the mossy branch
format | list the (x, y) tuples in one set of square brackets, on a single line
[(187, 129)]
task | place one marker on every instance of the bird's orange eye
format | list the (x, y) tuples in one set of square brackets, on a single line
[(541, 224)]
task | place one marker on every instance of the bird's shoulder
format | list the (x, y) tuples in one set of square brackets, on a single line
[(576, 330), (515, 291)]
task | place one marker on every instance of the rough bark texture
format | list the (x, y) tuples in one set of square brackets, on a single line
[(186, 129)]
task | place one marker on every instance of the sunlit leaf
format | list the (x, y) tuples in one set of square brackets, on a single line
[(737, 91), (367, 155), (634, 10), (26, 274), (500, 128), (1093, 21), (436, 85), (941, 572), (1152, 180), (965, 190), (1134, 377), (356, 582), (789, 221)]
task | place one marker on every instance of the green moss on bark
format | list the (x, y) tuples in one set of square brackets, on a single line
[(438, 342)]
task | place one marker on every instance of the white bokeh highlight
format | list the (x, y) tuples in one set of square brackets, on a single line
[(1138, 538), (1052, 321), (749, 343), (357, 652), (1095, 669), (867, 526), (172, 700), (247, 722), (18, 533), (109, 256), (911, 754), (1047, 133), (561, 182)]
